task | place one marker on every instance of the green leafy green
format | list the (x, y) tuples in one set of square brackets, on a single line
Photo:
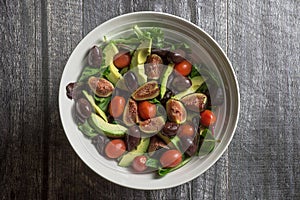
[(87, 72), (154, 101), (207, 143), (102, 102), (153, 163), (87, 130), (194, 72), (164, 171)]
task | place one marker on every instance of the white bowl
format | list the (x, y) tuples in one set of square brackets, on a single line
[(211, 54)]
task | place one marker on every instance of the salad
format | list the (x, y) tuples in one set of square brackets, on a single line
[(145, 102)]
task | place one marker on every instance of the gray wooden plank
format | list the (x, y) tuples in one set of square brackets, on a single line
[(21, 89), (263, 44), (64, 31)]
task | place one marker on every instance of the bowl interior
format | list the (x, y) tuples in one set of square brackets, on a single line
[(207, 53)]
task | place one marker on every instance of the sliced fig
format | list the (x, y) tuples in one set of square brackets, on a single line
[(130, 115), (147, 91), (154, 67), (176, 111), (155, 144), (152, 125), (195, 102), (100, 86)]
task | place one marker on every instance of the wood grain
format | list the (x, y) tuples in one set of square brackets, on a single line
[(263, 41), (261, 38)]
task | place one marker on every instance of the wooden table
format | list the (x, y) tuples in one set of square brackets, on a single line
[(261, 38)]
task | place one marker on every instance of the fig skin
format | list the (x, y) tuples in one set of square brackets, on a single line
[(176, 111), (130, 115), (100, 86), (153, 125), (147, 91), (195, 102), (154, 67)]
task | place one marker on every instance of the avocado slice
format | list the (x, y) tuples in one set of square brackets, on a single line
[(92, 102), (110, 130), (163, 86), (139, 58), (127, 159), (108, 55), (197, 81)]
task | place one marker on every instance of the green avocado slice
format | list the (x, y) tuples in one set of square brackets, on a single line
[(127, 159), (92, 102), (110, 130), (163, 87), (197, 81)]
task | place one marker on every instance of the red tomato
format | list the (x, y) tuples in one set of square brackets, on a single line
[(139, 163), (186, 130), (115, 148), (116, 106), (122, 60), (184, 68), (146, 110), (207, 118), (170, 158)]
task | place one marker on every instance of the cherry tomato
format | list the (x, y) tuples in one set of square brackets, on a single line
[(170, 158), (116, 106), (115, 148), (146, 110), (207, 118), (186, 130), (122, 59), (139, 163), (184, 68)]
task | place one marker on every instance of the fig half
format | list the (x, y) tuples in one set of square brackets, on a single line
[(130, 115), (176, 111), (100, 86), (152, 125), (195, 102), (147, 91)]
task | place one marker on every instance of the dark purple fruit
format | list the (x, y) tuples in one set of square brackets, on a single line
[(95, 57), (189, 145), (131, 81), (83, 108), (181, 83), (176, 56), (132, 138), (170, 129), (74, 90), (100, 142), (155, 145)]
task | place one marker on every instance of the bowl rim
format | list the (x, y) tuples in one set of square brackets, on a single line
[(232, 72)]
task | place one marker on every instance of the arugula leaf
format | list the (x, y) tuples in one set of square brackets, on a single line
[(87, 130), (164, 171), (87, 72), (207, 143), (102, 102), (153, 163), (154, 101)]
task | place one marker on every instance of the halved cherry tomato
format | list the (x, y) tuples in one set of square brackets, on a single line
[(139, 163), (207, 118), (122, 59), (116, 106), (184, 68), (170, 158), (115, 148), (146, 110), (186, 130)]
